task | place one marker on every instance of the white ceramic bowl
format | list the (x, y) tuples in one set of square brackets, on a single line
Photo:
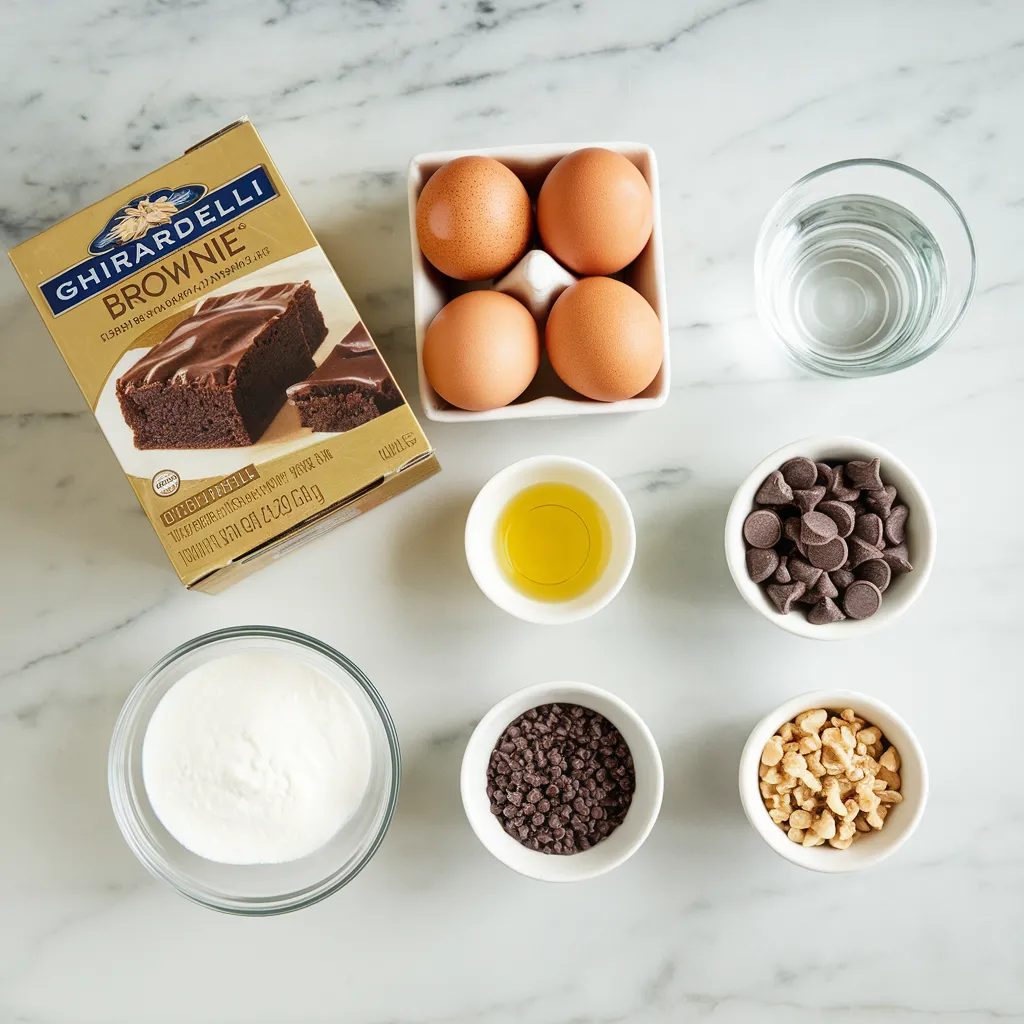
[(869, 848), (547, 397), (903, 590), (481, 550), (606, 855)]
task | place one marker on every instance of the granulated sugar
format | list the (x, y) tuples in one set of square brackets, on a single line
[(255, 758)]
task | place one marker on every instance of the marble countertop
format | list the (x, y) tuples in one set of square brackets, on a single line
[(738, 98)]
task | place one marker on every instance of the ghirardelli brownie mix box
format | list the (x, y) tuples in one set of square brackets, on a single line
[(223, 359)]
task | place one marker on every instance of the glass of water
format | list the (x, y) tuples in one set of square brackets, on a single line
[(863, 267)]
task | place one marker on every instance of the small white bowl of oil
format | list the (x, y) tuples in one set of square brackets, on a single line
[(550, 539)]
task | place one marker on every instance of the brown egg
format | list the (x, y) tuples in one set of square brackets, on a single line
[(473, 218), (481, 351), (604, 340), (595, 211)]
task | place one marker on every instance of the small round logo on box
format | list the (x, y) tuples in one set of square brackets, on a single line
[(166, 483)]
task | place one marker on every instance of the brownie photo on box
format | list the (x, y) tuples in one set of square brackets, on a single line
[(278, 297), (350, 387), (219, 378)]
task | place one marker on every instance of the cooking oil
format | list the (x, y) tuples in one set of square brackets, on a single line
[(553, 541)]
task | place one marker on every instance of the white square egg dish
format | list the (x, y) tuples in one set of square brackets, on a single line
[(535, 280)]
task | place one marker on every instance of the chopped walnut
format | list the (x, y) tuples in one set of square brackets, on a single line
[(829, 777)]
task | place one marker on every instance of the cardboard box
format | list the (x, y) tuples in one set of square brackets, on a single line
[(224, 360)]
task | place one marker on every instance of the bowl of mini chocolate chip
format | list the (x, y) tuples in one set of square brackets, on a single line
[(562, 781), (830, 537)]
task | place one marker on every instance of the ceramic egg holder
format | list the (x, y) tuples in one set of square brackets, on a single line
[(536, 281)]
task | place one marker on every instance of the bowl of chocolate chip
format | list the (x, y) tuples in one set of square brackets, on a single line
[(562, 781), (830, 538)]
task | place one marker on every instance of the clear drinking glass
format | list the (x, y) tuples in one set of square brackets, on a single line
[(863, 267)]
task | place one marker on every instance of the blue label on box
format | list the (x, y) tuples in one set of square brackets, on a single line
[(150, 228)]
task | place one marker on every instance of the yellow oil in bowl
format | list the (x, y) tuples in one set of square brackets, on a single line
[(553, 541)]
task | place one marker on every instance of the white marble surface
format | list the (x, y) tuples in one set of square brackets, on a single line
[(738, 98)]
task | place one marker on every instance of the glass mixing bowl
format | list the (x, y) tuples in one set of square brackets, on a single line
[(256, 889)]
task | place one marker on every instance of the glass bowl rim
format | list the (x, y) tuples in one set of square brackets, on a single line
[(125, 807), (899, 168)]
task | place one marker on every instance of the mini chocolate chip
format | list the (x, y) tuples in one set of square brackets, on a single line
[(875, 571), (816, 528), (799, 473), (864, 475), (825, 612), (761, 563), (782, 574), (806, 500), (841, 514), (862, 599), (829, 556), (762, 529), (881, 501), (869, 528), (896, 524), (784, 595)]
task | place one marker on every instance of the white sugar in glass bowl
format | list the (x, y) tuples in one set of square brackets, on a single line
[(904, 589), (604, 856), (264, 888), (481, 537), (870, 847)]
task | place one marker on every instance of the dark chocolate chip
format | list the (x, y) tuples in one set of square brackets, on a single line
[(791, 529), (842, 578), (875, 571), (774, 491), (816, 528), (806, 500), (824, 473), (864, 475), (881, 501), (862, 599), (825, 612), (841, 514), (828, 556), (897, 558), (799, 473), (824, 588), (762, 529), (761, 563), (869, 528), (782, 573), (896, 525), (803, 571), (838, 488), (861, 551), (784, 595)]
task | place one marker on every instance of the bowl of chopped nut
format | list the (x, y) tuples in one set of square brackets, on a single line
[(833, 780)]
